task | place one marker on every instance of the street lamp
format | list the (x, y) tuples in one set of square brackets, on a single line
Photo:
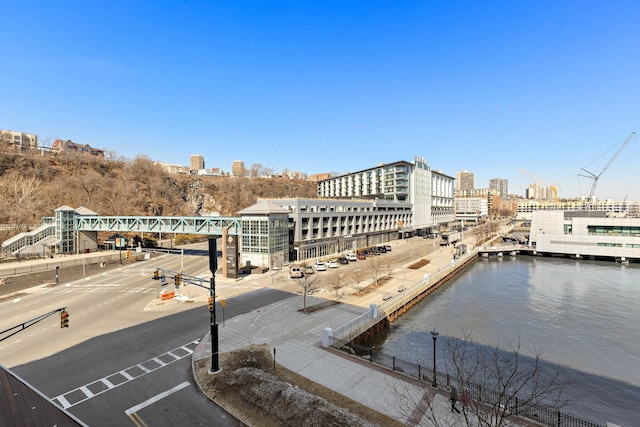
[(434, 334)]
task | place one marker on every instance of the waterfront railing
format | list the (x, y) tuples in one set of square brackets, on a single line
[(520, 407), (342, 339)]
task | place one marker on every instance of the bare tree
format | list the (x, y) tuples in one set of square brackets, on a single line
[(21, 198), (308, 283), (336, 282), (266, 171), (493, 386), (375, 268), (358, 277), (254, 170)]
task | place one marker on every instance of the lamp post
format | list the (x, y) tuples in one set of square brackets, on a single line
[(434, 334)]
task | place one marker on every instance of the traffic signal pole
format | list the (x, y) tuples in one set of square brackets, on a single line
[(215, 365), (213, 266), (64, 323), (181, 278)]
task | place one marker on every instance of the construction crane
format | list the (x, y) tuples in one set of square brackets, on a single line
[(595, 177)]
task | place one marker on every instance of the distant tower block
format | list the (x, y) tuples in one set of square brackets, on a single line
[(197, 162), (237, 168)]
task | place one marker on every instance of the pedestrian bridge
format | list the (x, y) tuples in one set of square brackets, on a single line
[(160, 224), (63, 230)]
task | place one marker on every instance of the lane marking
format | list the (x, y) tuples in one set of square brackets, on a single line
[(137, 420), (156, 398), (83, 393)]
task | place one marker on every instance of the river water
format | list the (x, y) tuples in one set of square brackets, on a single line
[(584, 316)]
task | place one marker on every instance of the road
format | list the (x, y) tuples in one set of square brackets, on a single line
[(121, 363), (118, 363)]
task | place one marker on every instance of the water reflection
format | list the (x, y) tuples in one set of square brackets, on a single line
[(581, 314)]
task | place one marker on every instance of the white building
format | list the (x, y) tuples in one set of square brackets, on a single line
[(585, 234), (429, 192), (471, 209), (624, 208)]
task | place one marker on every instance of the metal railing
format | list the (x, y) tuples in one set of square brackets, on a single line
[(520, 407), (22, 240), (368, 319)]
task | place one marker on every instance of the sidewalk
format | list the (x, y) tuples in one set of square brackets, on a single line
[(296, 337)]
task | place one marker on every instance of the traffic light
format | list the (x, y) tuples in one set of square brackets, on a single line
[(126, 254), (64, 319), (178, 278), (210, 303), (156, 275)]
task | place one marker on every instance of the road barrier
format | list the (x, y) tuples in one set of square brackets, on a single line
[(168, 295)]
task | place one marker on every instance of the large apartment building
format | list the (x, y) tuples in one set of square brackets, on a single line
[(429, 192), (465, 181), (500, 184), (196, 162)]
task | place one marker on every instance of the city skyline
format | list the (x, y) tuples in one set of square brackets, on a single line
[(493, 88)]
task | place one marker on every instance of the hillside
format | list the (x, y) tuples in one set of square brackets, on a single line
[(33, 186)]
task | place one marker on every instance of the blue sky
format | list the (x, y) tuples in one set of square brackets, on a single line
[(492, 87)]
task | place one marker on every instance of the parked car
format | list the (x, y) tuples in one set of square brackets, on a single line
[(362, 255), (295, 272), (343, 260), (332, 264), (388, 248), (320, 266), (382, 249), (352, 257), (308, 269)]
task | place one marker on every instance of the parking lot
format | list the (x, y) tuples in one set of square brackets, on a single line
[(341, 279)]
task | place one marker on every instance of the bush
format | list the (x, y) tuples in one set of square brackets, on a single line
[(419, 264)]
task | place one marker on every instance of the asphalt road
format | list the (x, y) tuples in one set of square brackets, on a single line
[(118, 364)]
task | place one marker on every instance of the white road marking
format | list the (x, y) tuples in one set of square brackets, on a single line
[(156, 398), (70, 398)]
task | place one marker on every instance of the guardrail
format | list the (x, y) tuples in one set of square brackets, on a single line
[(37, 267), (393, 304), (376, 314)]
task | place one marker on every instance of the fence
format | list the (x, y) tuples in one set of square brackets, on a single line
[(35, 267), (544, 414)]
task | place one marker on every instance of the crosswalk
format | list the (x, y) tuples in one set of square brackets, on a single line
[(88, 391)]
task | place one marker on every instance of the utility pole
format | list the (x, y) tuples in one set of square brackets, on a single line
[(213, 266), (186, 279)]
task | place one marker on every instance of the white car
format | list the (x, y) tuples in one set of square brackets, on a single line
[(332, 264), (352, 257), (320, 266)]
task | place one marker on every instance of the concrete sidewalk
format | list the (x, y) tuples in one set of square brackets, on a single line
[(296, 337)]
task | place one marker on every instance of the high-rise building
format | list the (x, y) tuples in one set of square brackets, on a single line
[(197, 162), (430, 192), (500, 184), (464, 180), (237, 168)]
